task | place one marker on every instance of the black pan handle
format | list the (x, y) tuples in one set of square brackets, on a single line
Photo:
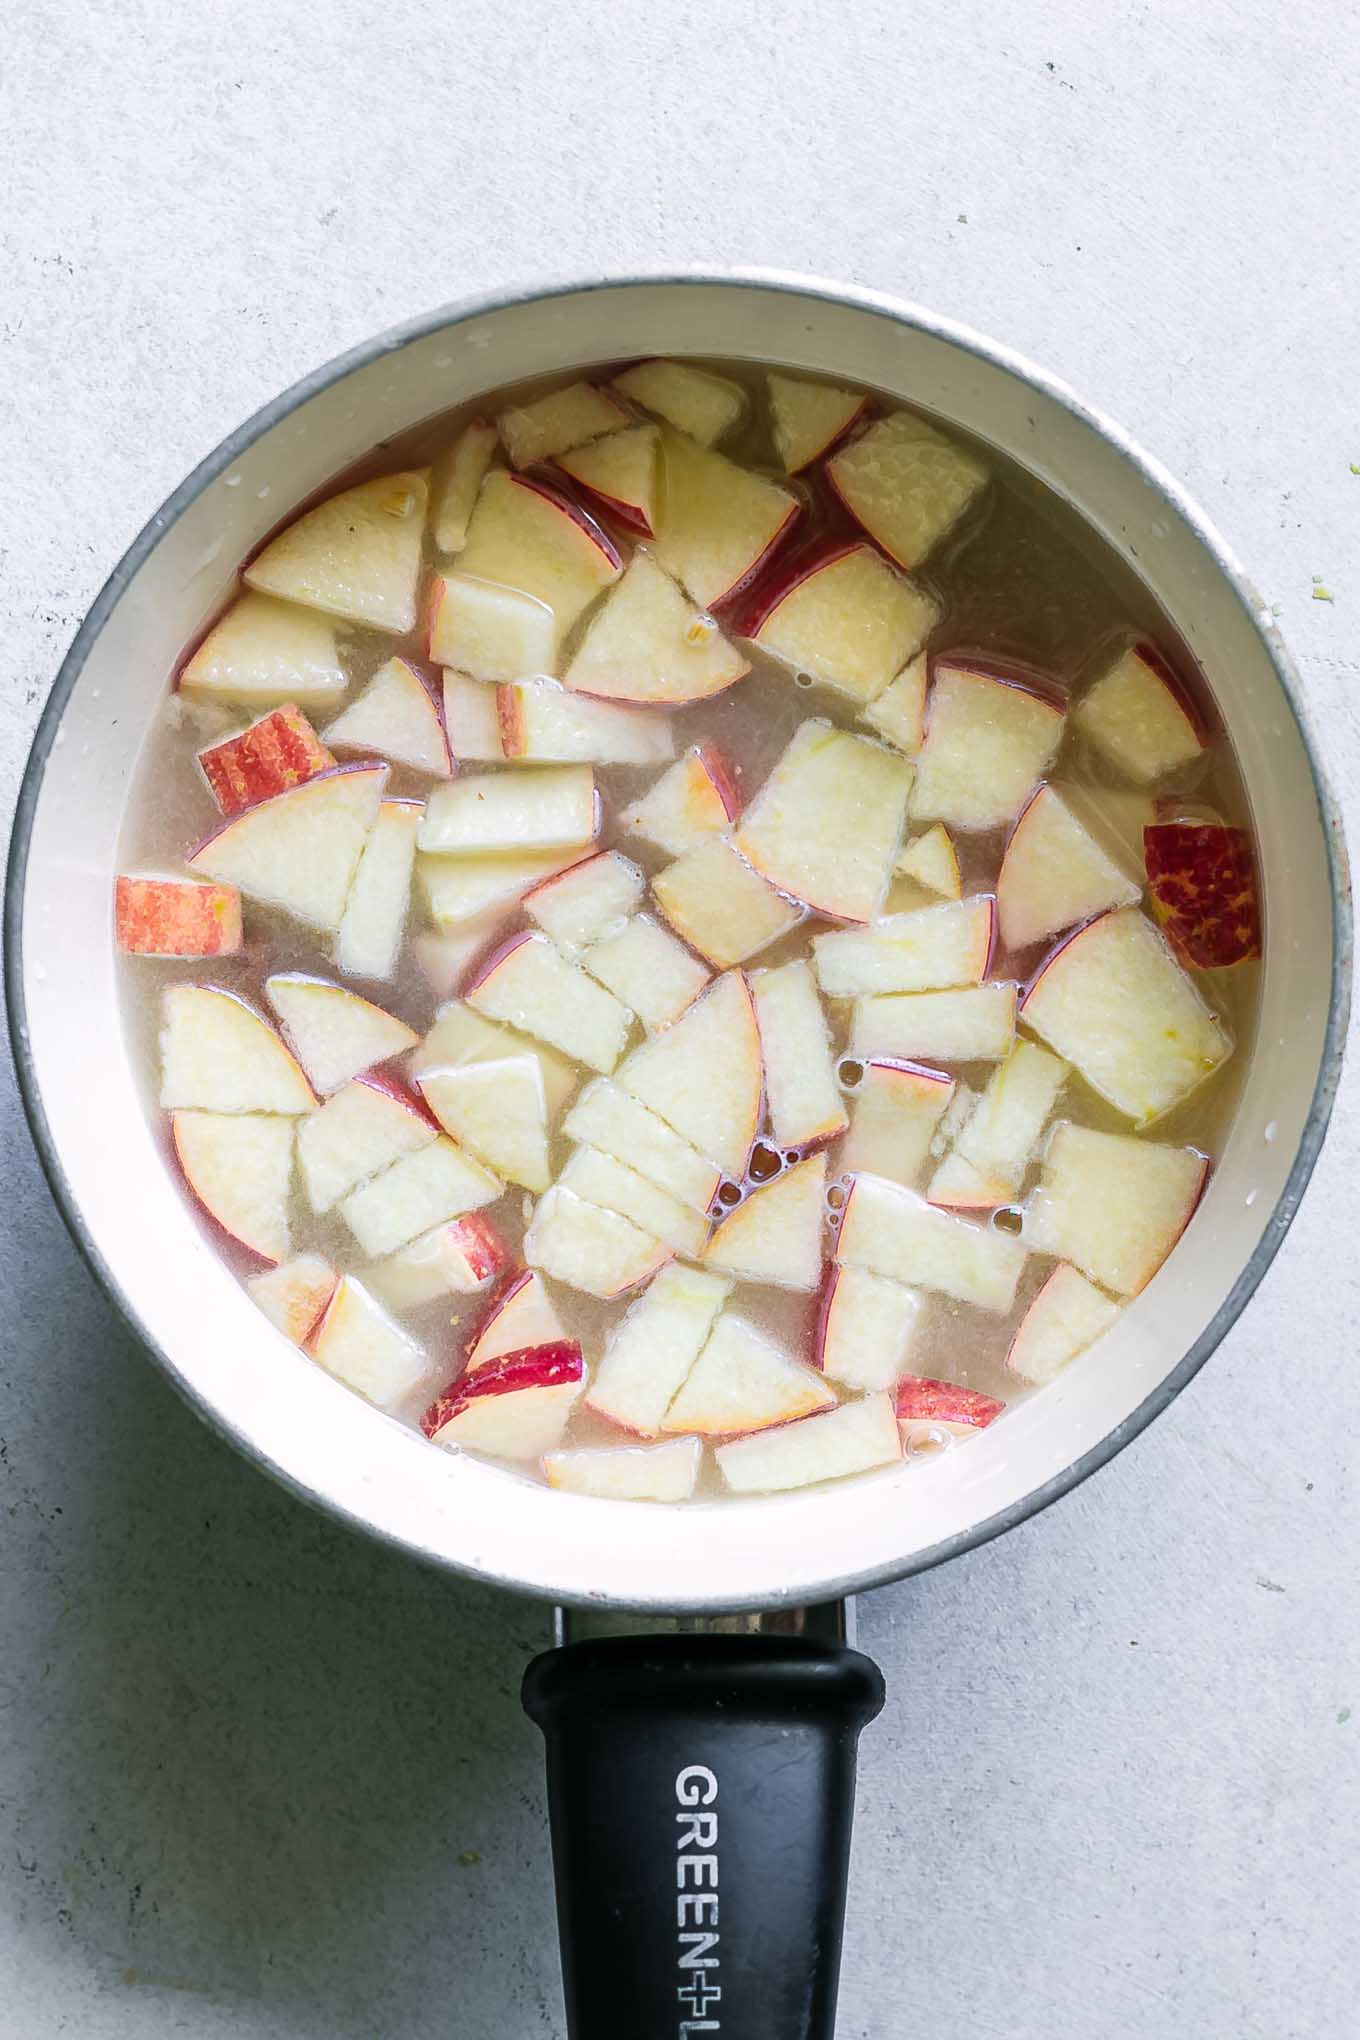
[(701, 1791)]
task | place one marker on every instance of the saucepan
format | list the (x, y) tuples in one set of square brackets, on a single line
[(703, 1704)]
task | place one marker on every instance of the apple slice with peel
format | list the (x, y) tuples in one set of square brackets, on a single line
[(974, 1024), (529, 984), (262, 653), (668, 1472), (648, 644), (527, 535), (545, 722), (1054, 873), (999, 1139), (333, 1032), (932, 1413), (622, 1126), (551, 807), (931, 861), (649, 1354), (826, 825), (1113, 1205), (473, 452), (445, 960), (810, 418), (692, 802), (422, 1190), (1068, 1315), (694, 400), (720, 906), (618, 474), (590, 1248), (1139, 718), (1202, 888), (563, 419), (855, 1438), (472, 719), (775, 1234), (365, 1125), (299, 850), (520, 1314), (174, 917), (294, 1295), (865, 1328), (459, 1035), (991, 732), (803, 1098), (719, 522), (368, 943), (516, 1408), (928, 949), (498, 1110), (587, 901), (906, 485), (239, 1166), (1113, 1001), (397, 717), (741, 1382), (362, 1346), (219, 1055), (356, 555), (703, 1075), (467, 892), (898, 714), (602, 1179), (490, 632), (844, 617), (896, 1109), (644, 965), (894, 1232), (456, 1259), (280, 750)]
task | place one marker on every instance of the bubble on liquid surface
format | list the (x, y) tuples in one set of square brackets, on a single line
[(231, 481), (850, 1073), (1271, 1131), (1008, 1218)]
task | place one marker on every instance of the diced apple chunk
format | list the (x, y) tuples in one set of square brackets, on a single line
[(741, 1382), (362, 1346), (608, 1118), (931, 861), (368, 943), (445, 960), (460, 1035), (803, 1098), (619, 474), (174, 917), (990, 735), (541, 720), (775, 1234), (239, 1166), (497, 1110), (933, 1413), (614, 1186), (294, 1295), (527, 535), (1068, 1315), (422, 1190), (852, 1439), (898, 714), (694, 400), (586, 902), (356, 555), (551, 807), (396, 717), (367, 1124), (1139, 718), (490, 632), (645, 966), (894, 1115), (333, 1032), (687, 806), (219, 1055), (464, 892), (719, 522), (516, 1408), (1112, 1204), (456, 1259), (721, 906), (998, 1141), (590, 1248), (976, 1024), (703, 1075), (263, 653), (928, 949), (563, 419), (648, 644), (472, 719), (668, 1472), (1054, 873), (826, 825), (280, 750), (865, 1328), (299, 850), (809, 418), (906, 484), (1202, 889), (472, 455), (894, 1232), (520, 1315), (649, 1354), (529, 984), (846, 619)]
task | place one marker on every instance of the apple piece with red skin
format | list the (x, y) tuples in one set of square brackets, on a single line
[(811, 419), (562, 419), (743, 1382), (804, 1101), (649, 646), (466, 894), (775, 1234), (1140, 718), (370, 1122), (720, 523), (358, 1343), (515, 1407), (826, 825), (1202, 888), (856, 1438), (1068, 1315), (1113, 1204), (894, 1113), (864, 1328), (529, 984), (472, 455), (693, 801), (587, 901), (923, 950), (332, 1031), (932, 1413), (174, 917), (239, 1166), (280, 750), (529, 535), (397, 716), (547, 807), (842, 615), (218, 1054), (520, 1315), (721, 907), (668, 1472), (294, 1295), (905, 484), (300, 849), (703, 1075), (355, 555), (992, 730), (261, 653), (649, 969), (618, 475), (545, 722), (456, 1259), (650, 1352), (589, 1248), (1054, 873), (499, 1111)]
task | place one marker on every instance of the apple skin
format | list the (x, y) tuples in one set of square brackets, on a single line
[(481, 1246), (217, 1226), (1202, 888), (851, 429), (764, 596), (1157, 662), (400, 1092), (919, 1396), (279, 751), (503, 1299), (722, 777), (494, 958), (176, 917), (552, 492), (249, 814), (551, 1366), (1051, 956), (1017, 673), (597, 504)]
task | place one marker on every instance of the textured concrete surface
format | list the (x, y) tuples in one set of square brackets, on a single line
[(259, 1780)]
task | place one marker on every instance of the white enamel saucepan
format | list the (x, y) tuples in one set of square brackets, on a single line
[(701, 1768)]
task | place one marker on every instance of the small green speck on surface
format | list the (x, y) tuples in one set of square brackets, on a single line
[(470, 1858), (1322, 593), (1343, 1717), (1355, 467)]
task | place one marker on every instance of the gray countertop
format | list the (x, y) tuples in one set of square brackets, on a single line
[(259, 1779)]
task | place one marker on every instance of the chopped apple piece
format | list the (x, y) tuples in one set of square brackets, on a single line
[(590, 1248), (933, 1413), (803, 1097), (1202, 885), (928, 949), (460, 1035), (865, 1328), (692, 802), (472, 455), (894, 1232), (646, 644), (608, 1118), (1138, 717), (239, 1166), (976, 1024), (826, 825), (219, 1055), (520, 1315), (645, 966), (1112, 1204), (280, 750), (809, 418), (667, 1472), (1001, 1135), (614, 1186), (906, 484), (990, 734), (540, 720), (1068, 1315), (359, 1344), (719, 522), (775, 1234), (299, 850), (559, 421), (174, 917), (852, 1439), (1113, 1000), (456, 1259), (894, 1115), (530, 984), (517, 1408), (743, 1382), (694, 400), (294, 1295), (649, 1354), (845, 618), (446, 960), (1054, 873), (587, 901), (396, 717), (369, 940), (262, 653), (703, 1075), (898, 714), (464, 892), (472, 719), (525, 534), (720, 906), (333, 1032), (499, 1111), (551, 807), (932, 861), (357, 555), (422, 1190), (366, 1125), (619, 475), (489, 632)]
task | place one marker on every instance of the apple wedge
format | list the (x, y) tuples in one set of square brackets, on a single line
[(894, 1114), (520, 1315), (590, 1248), (649, 1354), (497, 1110), (865, 1328), (843, 617), (809, 418), (1202, 889), (219, 1055), (826, 825), (694, 400), (299, 850), (357, 555), (280, 750), (473, 452), (362, 1346), (516, 1408), (368, 942), (553, 424), (668, 1472), (332, 1031), (460, 1035), (456, 1259), (1068, 1315), (622, 1126), (932, 1413), (803, 1099), (1001, 1135), (645, 966), (719, 522), (422, 1190), (722, 908), (587, 901), (855, 1438), (1112, 1204), (892, 1231), (398, 717), (529, 984), (906, 485), (527, 535), (472, 719), (463, 893), (489, 632), (601, 1179), (174, 917), (262, 653), (1114, 1002), (239, 1166), (991, 733), (1138, 717), (543, 722), (294, 1295), (367, 1124), (898, 714), (648, 644), (446, 960), (931, 861), (975, 1024), (743, 1382), (550, 807), (703, 1075), (618, 474), (688, 805), (775, 1234), (1054, 874), (928, 949)]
